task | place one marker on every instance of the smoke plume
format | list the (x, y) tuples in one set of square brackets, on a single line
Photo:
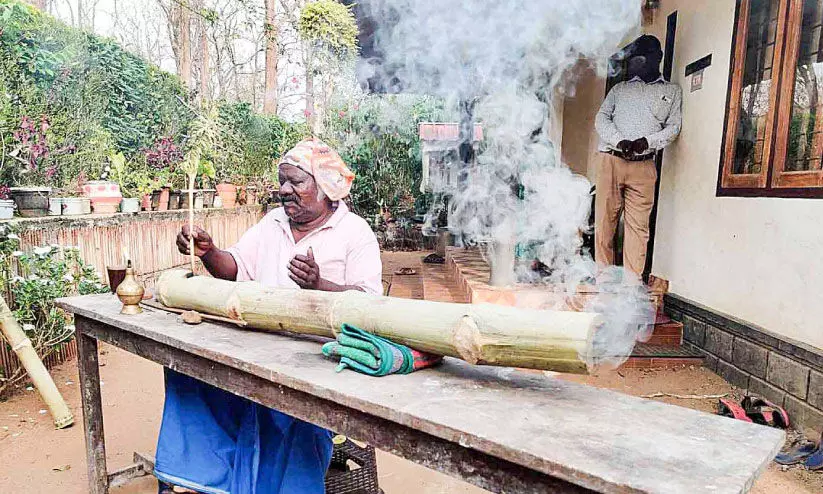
[(510, 61)]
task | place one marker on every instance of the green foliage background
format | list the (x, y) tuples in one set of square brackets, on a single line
[(99, 99), (378, 138)]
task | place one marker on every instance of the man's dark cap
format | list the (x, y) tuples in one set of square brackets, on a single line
[(646, 45)]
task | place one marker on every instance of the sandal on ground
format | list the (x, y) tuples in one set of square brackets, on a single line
[(796, 455), (405, 272), (164, 488), (434, 259), (729, 408), (815, 461), (764, 412)]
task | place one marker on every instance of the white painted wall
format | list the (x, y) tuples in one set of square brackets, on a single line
[(579, 141), (759, 259)]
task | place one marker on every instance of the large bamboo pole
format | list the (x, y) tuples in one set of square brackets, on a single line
[(40, 377), (477, 333)]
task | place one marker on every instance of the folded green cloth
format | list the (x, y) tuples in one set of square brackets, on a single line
[(375, 356)]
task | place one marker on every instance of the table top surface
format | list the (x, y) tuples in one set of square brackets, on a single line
[(597, 438)]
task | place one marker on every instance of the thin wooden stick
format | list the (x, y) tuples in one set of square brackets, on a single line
[(685, 397), (191, 220), (159, 306)]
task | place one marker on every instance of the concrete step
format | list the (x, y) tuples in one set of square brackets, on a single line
[(667, 334), (438, 284), (650, 356)]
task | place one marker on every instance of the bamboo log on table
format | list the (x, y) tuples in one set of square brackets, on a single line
[(38, 373), (477, 333)]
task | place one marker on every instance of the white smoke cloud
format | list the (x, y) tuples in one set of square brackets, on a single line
[(510, 57)]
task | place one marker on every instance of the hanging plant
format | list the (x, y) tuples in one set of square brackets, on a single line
[(331, 25)]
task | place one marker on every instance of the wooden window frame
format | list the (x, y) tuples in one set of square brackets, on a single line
[(772, 180)]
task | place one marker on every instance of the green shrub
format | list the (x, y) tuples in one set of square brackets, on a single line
[(97, 100), (252, 142), (32, 281), (378, 138)]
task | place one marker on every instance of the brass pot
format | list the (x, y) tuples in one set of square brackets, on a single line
[(130, 292)]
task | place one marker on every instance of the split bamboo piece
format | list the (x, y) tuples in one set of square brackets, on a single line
[(191, 220), (41, 378), (477, 333)]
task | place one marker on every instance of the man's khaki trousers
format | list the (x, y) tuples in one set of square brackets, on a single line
[(628, 187)]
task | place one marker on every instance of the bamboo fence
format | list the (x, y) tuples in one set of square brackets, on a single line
[(148, 238)]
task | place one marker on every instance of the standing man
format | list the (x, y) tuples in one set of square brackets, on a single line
[(638, 118)]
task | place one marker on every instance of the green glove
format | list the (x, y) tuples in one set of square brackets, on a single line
[(373, 355)]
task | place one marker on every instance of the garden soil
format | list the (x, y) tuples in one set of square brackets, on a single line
[(35, 458)]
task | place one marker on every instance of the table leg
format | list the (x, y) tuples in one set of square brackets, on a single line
[(92, 411)]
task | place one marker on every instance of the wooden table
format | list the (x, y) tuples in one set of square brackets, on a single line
[(498, 428)]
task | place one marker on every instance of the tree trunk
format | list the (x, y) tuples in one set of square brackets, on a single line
[(184, 67), (310, 112), (81, 15), (270, 95), (477, 333), (41, 378), (204, 67)]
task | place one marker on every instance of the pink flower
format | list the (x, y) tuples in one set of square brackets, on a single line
[(307, 113), (356, 106), (51, 172), (294, 80), (44, 125), (341, 113)]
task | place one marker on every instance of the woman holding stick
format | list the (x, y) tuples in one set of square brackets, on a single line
[(212, 441)]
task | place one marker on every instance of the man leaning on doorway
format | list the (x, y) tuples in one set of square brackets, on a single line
[(637, 118)]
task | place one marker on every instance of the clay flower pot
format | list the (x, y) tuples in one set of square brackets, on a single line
[(228, 194), (145, 202), (105, 196), (162, 199)]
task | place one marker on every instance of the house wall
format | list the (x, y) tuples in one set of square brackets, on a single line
[(757, 259), (579, 142)]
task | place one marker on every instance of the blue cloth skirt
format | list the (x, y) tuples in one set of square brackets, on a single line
[(213, 441)]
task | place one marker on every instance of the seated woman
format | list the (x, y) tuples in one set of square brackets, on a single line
[(212, 441)]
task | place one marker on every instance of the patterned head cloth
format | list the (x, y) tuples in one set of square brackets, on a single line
[(316, 158)]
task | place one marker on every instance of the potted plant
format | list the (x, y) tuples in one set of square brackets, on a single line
[(31, 201), (176, 197), (144, 187), (104, 194), (30, 148), (123, 173), (160, 192), (227, 193), (71, 199), (249, 193), (206, 175), (55, 205), (227, 190), (6, 204)]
